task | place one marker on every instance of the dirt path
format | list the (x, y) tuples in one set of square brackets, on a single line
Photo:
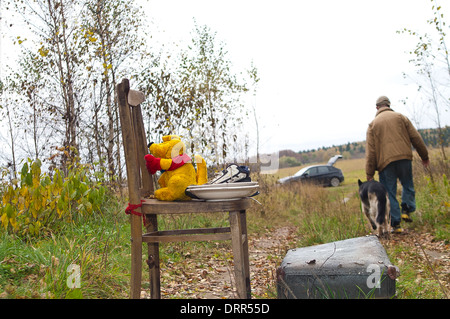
[(212, 276)]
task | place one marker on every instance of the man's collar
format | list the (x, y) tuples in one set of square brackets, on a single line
[(382, 109)]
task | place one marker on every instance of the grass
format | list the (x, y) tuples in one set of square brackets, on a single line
[(322, 214), (39, 268), (100, 244), (416, 280)]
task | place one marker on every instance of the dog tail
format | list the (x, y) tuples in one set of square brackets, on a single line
[(382, 200), (202, 173)]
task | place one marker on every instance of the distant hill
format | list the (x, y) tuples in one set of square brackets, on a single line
[(431, 137), (290, 158)]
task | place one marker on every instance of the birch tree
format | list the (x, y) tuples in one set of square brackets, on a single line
[(213, 92), (68, 72), (114, 33), (55, 49), (5, 105), (431, 60)]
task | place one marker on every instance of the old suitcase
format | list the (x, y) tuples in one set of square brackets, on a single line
[(351, 268)]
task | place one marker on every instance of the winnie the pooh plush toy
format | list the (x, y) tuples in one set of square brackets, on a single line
[(179, 172)]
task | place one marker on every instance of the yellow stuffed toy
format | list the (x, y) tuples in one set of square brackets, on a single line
[(179, 173)]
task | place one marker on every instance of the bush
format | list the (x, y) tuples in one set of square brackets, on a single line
[(288, 161), (39, 202)]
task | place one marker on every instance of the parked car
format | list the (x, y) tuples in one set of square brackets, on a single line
[(326, 175)]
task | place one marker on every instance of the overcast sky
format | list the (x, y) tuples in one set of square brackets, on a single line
[(322, 64)]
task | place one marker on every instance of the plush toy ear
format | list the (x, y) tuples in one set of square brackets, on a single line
[(170, 137)]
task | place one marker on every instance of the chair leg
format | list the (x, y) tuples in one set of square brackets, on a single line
[(153, 259), (240, 271), (243, 216), (136, 257), (154, 270)]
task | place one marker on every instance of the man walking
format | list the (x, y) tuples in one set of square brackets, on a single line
[(388, 150)]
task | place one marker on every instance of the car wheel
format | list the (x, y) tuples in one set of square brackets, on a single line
[(334, 182)]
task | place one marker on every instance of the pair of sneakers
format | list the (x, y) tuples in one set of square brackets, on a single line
[(232, 174), (405, 215)]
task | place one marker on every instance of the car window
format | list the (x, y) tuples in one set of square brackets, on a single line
[(312, 171), (300, 172), (323, 170)]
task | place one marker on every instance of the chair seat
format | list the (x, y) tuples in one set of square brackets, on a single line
[(154, 206)]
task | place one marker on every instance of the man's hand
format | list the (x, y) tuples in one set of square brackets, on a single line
[(426, 163)]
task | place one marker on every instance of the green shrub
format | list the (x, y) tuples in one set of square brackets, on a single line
[(39, 202)]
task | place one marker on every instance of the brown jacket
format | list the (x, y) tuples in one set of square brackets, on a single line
[(389, 138)]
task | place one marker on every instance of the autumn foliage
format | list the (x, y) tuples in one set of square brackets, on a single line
[(37, 202)]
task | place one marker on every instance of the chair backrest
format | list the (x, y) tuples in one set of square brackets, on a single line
[(140, 183)]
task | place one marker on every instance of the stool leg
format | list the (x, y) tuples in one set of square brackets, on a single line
[(153, 259), (238, 254)]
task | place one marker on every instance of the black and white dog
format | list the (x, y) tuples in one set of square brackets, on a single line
[(375, 203)]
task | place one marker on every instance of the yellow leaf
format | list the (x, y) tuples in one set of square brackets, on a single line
[(21, 204), (4, 220), (26, 203), (13, 223), (37, 207), (24, 191), (43, 52)]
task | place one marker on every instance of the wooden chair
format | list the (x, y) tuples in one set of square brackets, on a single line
[(140, 186)]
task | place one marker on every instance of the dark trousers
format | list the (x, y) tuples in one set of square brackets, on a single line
[(401, 170)]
